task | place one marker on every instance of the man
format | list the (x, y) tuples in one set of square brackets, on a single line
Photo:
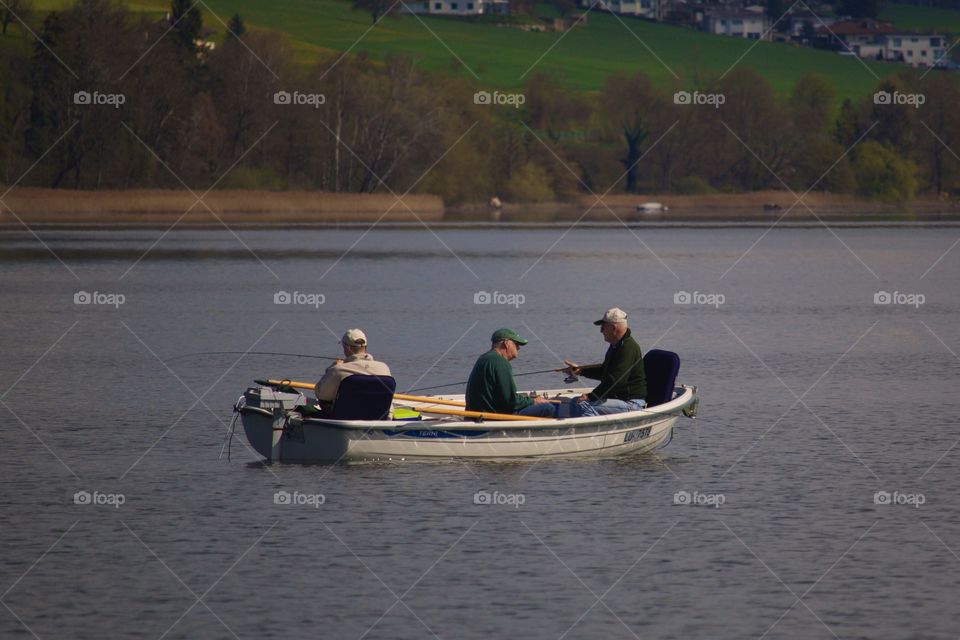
[(623, 384), (356, 362), (491, 387)]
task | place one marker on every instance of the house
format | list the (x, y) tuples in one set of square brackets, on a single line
[(458, 7), (881, 41), (864, 38), (683, 13), (739, 23), (915, 49), (638, 8), (802, 24)]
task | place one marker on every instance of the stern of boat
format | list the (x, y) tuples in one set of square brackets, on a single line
[(263, 412)]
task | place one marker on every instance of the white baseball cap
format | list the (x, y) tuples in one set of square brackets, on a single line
[(354, 338), (612, 316)]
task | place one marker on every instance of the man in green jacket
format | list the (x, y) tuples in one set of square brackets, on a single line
[(623, 383), (491, 387)]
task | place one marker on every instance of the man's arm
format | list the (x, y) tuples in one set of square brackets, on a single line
[(326, 389), (594, 373), (505, 390)]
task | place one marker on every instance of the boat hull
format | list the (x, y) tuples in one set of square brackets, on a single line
[(280, 436)]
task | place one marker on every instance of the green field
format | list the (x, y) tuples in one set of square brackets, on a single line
[(913, 18), (501, 57)]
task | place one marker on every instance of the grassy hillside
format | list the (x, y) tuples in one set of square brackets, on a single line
[(583, 58), (500, 57), (913, 18)]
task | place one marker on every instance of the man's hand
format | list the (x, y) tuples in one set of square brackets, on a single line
[(572, 368), (582, 398), (540, 400)]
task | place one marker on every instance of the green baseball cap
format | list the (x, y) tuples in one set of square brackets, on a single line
[(507, 334)]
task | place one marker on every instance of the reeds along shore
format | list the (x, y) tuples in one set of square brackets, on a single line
[(156, 206)]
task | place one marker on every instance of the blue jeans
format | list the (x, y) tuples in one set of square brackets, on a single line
[(542, 410), (606, 407)]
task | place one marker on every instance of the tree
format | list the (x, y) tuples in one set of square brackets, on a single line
[(812, 103), (564, 7), (935, 152), (187, 21), (882, 174), (552, 108), (759, 143), (862, 8), (775, 12), (627, 103), (377, 8), (530, 183), (13, 10), (236, 28)]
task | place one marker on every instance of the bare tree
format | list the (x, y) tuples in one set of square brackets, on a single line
[(14, 10), (628, 103)]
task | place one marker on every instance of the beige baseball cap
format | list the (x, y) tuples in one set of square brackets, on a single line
[(612, 316), (354, 338)]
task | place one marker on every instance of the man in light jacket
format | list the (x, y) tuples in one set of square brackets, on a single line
[(356, 362)]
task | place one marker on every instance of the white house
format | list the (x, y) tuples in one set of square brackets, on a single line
[(640, 8), (915, 49), (457, 7), (738, 23), (881, 41), (864, 38)]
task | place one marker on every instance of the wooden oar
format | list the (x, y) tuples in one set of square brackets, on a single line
[(483, 415), (287, 383), (450, 403)]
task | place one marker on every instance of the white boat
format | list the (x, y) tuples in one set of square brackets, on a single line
[(280, 434), (652, 208)]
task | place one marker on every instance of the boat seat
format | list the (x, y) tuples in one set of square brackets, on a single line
[(661, 369), (363, 397)]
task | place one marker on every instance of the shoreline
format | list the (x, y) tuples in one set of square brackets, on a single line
[(156, 208)]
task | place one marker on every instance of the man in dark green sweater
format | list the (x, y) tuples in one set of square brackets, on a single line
[(491, 387), (623, 384)]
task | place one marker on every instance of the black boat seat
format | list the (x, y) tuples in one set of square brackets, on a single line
[(363, 397), (661, 369)]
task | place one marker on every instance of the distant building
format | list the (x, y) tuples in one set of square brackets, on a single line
[(638, 8), (739, 23), (875, 40), (863, 38), (458, 7), (915, 49), (802, 24), (683, 13)]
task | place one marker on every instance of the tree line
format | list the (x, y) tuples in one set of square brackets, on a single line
[(249, 114)]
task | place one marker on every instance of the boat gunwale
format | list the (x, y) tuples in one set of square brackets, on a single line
[(666, 409)]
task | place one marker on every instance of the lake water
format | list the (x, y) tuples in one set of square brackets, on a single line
[(781, 531)]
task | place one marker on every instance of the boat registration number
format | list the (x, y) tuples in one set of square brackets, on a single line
[(636, 434)]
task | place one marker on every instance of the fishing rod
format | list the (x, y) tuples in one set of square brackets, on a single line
[(568, 380), (252, 353)]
